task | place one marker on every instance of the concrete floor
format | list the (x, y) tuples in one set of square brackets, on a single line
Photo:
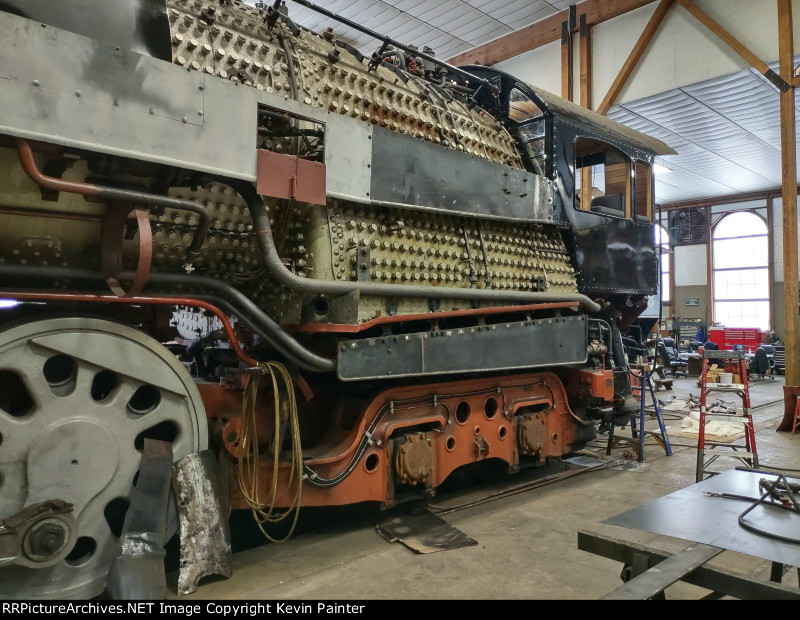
[(527, 543)]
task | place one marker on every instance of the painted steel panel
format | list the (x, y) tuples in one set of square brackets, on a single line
[(506, 346), (407, 171), (137, 25)]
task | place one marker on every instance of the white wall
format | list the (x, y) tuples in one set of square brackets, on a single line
[(777, 237), (682, 52), (540, 67), (691, 265)]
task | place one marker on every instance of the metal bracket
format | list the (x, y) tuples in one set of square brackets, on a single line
[(777, 80), (363, 271), (38, 536)]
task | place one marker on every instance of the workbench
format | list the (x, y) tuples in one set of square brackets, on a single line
[(712, 523)]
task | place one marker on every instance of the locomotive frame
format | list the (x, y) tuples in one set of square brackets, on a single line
[(423, 263)]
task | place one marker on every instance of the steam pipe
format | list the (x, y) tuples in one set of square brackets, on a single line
[(164, 301), (115, 194), (239, 305), (312, 286)]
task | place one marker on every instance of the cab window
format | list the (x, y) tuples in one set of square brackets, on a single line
[(643, 191), (531, 127), (521, 107), (602, 178)]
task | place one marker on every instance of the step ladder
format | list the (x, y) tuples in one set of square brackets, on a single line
[(639, 435), (710, 451), (796, 422)]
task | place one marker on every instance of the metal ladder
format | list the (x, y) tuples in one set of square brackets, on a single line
[(710, 451)]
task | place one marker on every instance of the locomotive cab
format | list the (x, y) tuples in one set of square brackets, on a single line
[(603, 178)]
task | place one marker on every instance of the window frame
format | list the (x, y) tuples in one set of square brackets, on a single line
[(649, 192), (750, 268), (671, 269), (583, 173)]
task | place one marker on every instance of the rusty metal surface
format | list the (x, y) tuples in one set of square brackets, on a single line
[(429, 316), (204, 528), (423, 532), (39, 535), (414, 458), (138, 572), (465, 421), (290, 177)]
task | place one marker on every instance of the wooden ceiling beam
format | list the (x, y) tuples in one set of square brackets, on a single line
[(723, 200), (543, 32), (636, 54), (736, 45)]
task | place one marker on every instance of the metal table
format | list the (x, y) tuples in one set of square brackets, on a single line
[(711, 522)]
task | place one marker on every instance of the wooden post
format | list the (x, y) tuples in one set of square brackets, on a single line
[(789, 177), (709, 270), (566, 61), (586, 99)]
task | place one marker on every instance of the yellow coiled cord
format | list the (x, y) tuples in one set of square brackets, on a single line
[(248, 469)]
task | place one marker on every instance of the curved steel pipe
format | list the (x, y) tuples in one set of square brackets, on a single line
[(312, 286), (166, 301), (226, 297), (115, 194)]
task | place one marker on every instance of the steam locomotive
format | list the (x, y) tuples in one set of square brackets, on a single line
[(410, 267)]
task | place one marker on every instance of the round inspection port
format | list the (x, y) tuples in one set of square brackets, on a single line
[(371, 464), (450, 444), (321, 306), (462, 412), (490, 408), (502, 432), (555, 437), (477, 431)]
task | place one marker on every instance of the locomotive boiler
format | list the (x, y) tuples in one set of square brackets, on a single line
[(411, 268)]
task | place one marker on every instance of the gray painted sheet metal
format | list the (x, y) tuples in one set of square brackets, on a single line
[(66, 63), (412, 172), (691, 515), (221, 140), (508, 346), (137, 25)]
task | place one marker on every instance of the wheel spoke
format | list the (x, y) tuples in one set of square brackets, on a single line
[(71, 442)]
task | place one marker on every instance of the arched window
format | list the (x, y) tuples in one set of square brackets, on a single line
[(741, 271), (662, 245)]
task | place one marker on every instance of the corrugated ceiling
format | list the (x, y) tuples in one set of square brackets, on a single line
[(448, 26), (726, 130)]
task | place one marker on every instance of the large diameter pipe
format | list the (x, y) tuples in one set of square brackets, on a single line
[(312, 286), (224, 296)]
